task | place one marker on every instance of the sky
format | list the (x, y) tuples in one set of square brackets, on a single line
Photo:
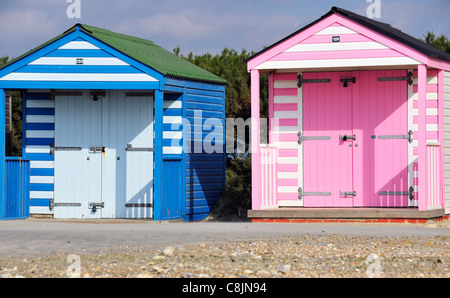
[(201, 26)]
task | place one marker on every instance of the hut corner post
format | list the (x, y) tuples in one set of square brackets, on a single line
[(2, 153), (255, 140), (422, 170)]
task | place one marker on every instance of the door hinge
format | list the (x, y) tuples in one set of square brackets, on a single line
[(301, 193), (408, 78), (52, 204), (301, 81), (301, 138), (53, 148), (409, 136)]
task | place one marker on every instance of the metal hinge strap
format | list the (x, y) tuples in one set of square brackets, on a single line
[(409, 136), (62, 204), (139, 149), (301, 193), (53, 148), (408, 78), (301, 81), (301, 138)]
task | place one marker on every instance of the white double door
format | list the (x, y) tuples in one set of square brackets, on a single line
[(103, 155)]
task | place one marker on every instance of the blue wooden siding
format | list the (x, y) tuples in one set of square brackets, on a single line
[(39, 133), (17, 189), (205, 160), (172, 181)]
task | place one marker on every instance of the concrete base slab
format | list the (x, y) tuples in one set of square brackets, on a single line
[(345, 213)]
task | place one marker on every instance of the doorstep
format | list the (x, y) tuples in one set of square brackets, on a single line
[(296, 214)]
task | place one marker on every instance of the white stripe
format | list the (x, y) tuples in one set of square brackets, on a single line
[(42, 179), (80, 77), (172, 120), (430, 80), (395, 61), (336, 30), (37, 149), (287, 160), (72, 61), (172, 104), (335, 46), (40, 103), (287, 189), (432, 127), (287, 145), (285, 84), (39, 164), (285, 129), (172, 135), (40, 210), (78, 45), (172, 150), (287, 203), (432, 96), (41, 194), (40, 134), (40, 119), (285, 99), (285, 114), (432, 111), (287, 175)]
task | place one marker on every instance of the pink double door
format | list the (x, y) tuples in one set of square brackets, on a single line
[(355, 139)]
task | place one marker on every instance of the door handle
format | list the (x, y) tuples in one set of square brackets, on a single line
[(347, 137)]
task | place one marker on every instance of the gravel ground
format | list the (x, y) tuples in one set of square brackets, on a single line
[(299, 256)]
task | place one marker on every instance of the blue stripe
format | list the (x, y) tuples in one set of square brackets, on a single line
[(40, 202), (41, 187), (172, 127), (40, 126), (42, 172), (171, 142), (172, 112), (40, 156), (36, 141), (39, 96), (78, 69), (40, 111), (78, 53)]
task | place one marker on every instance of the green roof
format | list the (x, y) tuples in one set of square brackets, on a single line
[(144, 51)]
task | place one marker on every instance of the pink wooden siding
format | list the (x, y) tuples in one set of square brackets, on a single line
[(432, 119), (286, 114)]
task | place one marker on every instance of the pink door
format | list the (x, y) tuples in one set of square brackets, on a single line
[(354, 145), (381, 123)]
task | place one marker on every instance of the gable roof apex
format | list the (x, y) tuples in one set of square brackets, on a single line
[(141, 50), (377, 26)]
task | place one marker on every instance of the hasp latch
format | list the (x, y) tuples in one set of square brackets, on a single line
[(348, 193), (345, 81), (94, 206)]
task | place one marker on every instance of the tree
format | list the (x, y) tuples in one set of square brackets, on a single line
[(441, 42), (16, 118)]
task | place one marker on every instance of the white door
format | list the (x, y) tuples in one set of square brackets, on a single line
[(104, 156), (78, 157)]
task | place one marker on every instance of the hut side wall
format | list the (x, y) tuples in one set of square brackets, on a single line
[(447, 141)]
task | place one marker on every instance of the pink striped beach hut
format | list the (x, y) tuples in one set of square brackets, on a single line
[(359, 124)]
